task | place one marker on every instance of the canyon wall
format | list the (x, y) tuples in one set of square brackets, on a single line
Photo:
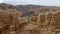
[(43, 23)]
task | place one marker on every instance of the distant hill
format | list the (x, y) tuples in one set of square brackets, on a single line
[(9, 8), (6, 6), (30, 10)]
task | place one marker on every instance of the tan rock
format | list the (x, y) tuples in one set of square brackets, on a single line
[(8, 18)]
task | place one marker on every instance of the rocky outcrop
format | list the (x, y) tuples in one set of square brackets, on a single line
[(47, 22), (8, 21), (43, 23)]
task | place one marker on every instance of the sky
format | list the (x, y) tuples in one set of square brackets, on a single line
[(36, 2)]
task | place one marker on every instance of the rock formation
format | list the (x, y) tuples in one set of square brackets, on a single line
[(44, 22), (8, 20), (48, 22)]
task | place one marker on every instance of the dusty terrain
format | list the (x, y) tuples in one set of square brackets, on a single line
[(36, 21)]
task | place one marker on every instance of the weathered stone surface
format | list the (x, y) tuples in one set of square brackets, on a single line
[(56, 19), (8, 20), (43, 23), (49, 21)]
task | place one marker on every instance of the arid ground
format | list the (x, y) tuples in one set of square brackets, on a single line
[(29, 19)]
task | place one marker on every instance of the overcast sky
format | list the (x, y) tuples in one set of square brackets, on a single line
[(36, 2)]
